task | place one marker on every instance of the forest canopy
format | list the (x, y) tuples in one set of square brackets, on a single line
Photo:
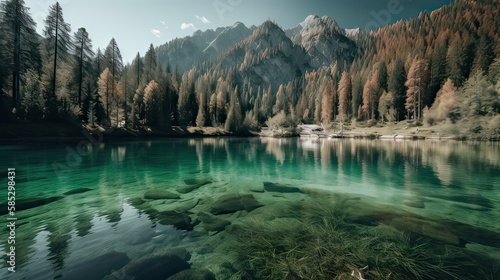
[(440, 67)]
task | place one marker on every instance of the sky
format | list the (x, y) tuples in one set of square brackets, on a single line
[(136, 24)]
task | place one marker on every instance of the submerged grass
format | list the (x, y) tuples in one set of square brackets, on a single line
[(318, 243)]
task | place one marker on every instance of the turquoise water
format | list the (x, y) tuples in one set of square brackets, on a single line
[(441, 193)]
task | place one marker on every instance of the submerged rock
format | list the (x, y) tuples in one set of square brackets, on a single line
[(431, 229), (151, 212), (192, 185), (160, 194), (188, 188), (257, 190), (181, 253), (28, 203), (232, 203), (193, 274), (98, 267), (281, 188), (179, 220), (415, 203), (156, 268), (473, 234), (77, 191), (194, 181), (136, 202), (212, 222)]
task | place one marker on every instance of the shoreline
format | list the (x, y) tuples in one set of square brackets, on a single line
[(49, 132)]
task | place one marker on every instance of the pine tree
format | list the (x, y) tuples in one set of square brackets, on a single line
[(397, 86), (267, 103), (382, 75), (345, 96), (370, 95), (150, 63), (438, 70), (137, 71), (187, 99), (357, 95), (234, 120), (58, 42), (484, 55), (86, 104), (417, 82), (20, 44), (32, 101), (456, 61), (327, 103), (203, 92), (3, 77), (114, 62), (170, 98), (113, 59), (84, 55), (98, 64)]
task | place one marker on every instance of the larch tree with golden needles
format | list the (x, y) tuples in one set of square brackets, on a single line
[(106, 86), (445, 100), (417, 82), (345, 96), (370, 95), (150, 100), (328, 102)]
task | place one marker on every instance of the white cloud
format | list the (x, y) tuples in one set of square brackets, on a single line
[(185, 26), (164, 23), (156, 33), (203, 19)]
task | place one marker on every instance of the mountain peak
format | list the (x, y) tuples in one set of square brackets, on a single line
[(309, 20), (314, 22), (269, 24), (323, 39), (238, 24), (270, 28)]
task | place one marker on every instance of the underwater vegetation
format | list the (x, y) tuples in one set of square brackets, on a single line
[(317, 241)]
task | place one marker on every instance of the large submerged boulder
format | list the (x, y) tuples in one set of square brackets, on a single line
[(179, 220), (430, 229), (192, 185), (194, 181), (232, 203), (212, 223), (281, 188)]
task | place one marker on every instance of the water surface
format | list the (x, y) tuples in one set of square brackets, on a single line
[(435, 191)]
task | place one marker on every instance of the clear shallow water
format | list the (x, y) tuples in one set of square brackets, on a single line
[(456, 182)]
